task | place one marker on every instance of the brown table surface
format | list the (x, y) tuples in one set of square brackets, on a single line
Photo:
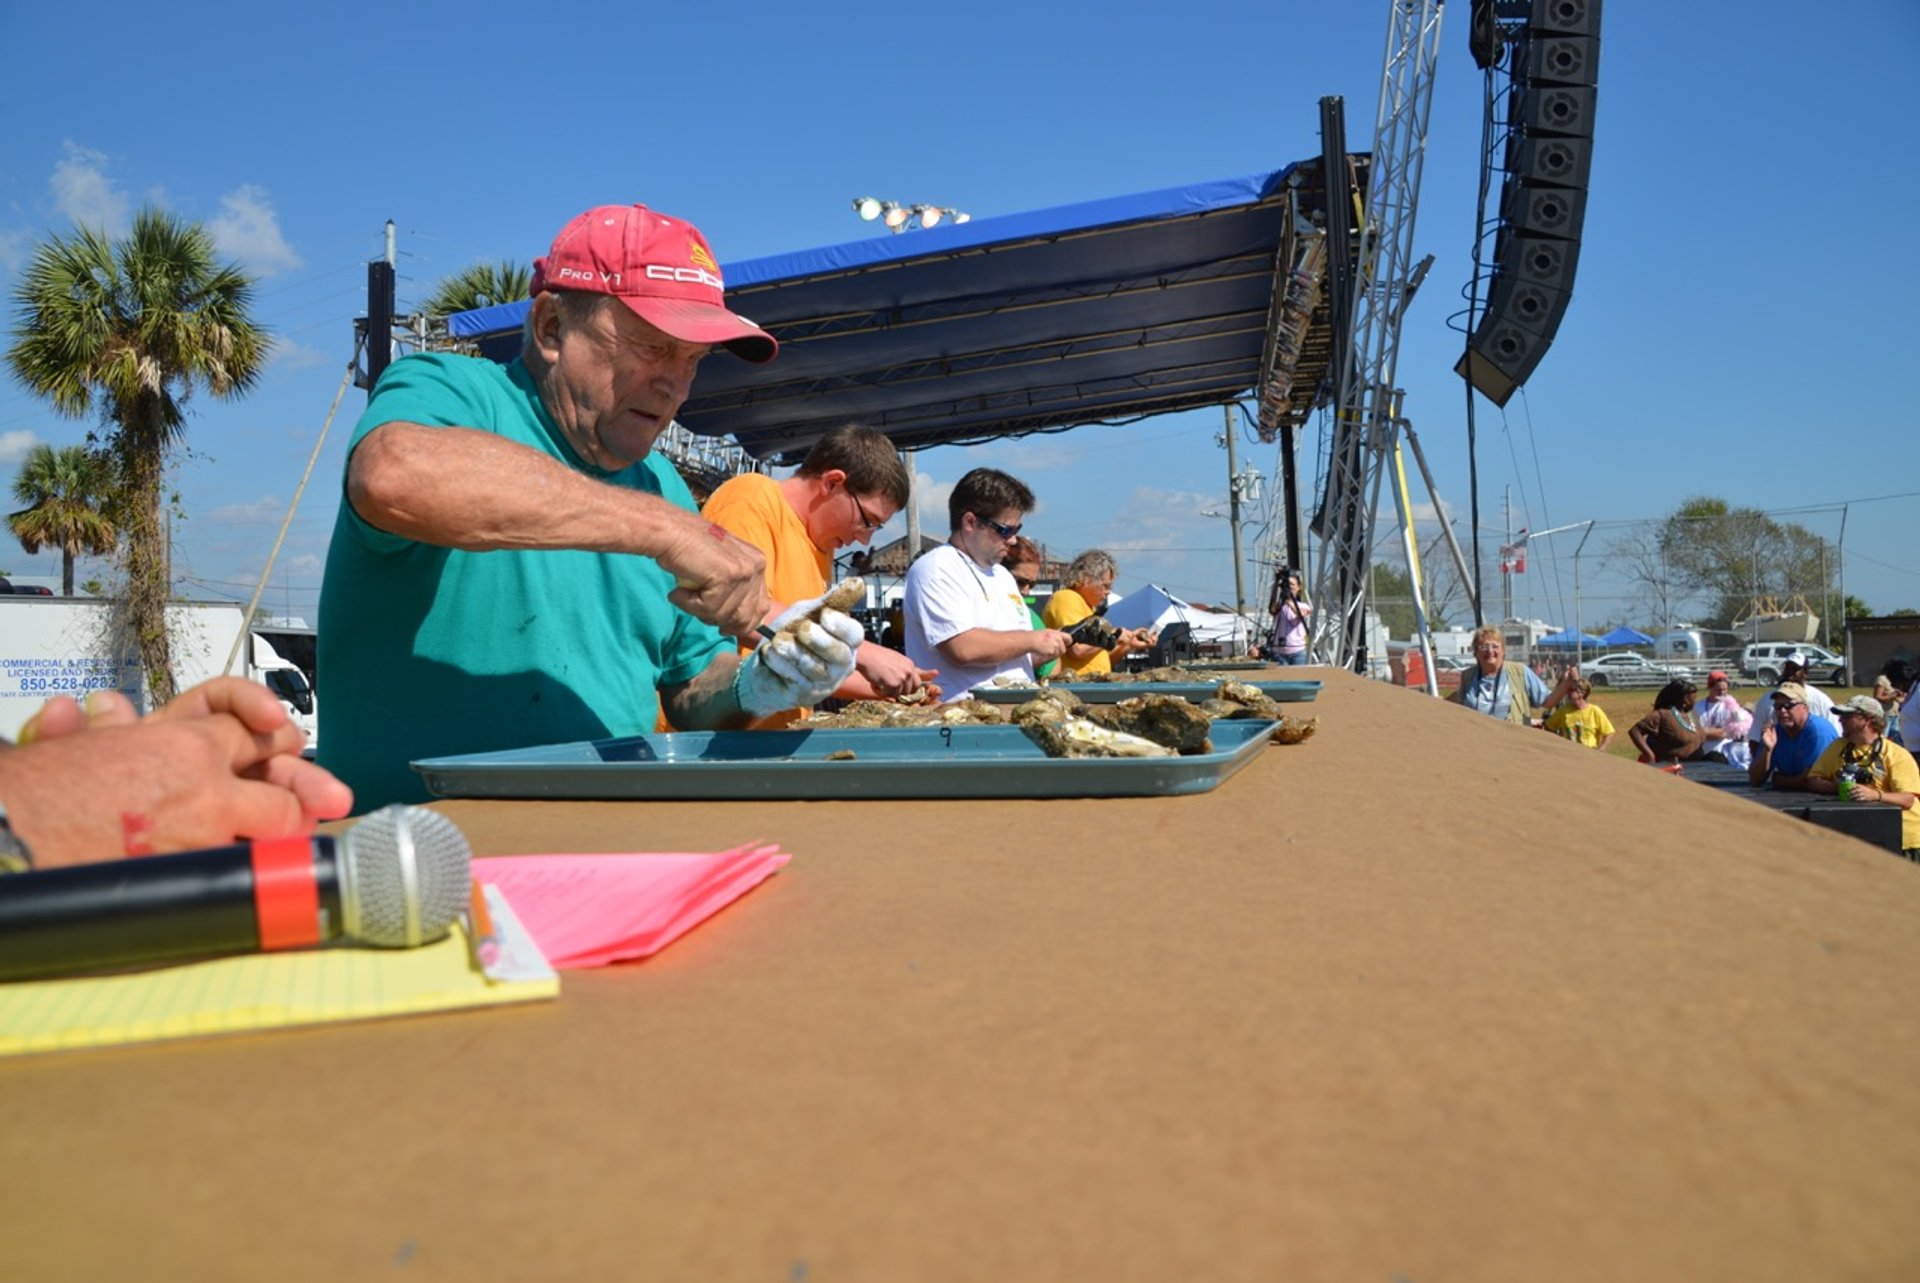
[(1426, 998)]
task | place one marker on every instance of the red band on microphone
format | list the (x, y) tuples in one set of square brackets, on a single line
[(286, 895)]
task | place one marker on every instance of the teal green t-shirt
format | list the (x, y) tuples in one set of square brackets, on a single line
[(427, 651)]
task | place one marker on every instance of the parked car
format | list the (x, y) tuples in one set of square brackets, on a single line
[(1629, 669), (1763, 660)]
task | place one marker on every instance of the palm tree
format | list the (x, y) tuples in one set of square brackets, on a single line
[(66, 492), (131, 328), (480, 285)]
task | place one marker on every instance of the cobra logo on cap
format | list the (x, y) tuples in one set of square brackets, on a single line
[(701, 258)]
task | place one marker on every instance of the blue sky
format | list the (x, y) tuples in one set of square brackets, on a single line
[(1742, 312)]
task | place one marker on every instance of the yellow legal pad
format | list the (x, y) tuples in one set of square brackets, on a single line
[(268, 991)]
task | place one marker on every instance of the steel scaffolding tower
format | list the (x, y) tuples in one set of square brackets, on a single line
[(1364, 438)]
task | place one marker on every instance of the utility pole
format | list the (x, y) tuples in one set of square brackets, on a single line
[(913, 513), (1233, 515)]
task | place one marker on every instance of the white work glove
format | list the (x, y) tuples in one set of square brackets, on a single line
[(798, 668)]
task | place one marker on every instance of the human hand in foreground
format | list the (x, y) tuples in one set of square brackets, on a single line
[(220, 762), (804, 662), (64, 715), (892, 674), (721, 579), (1049, 643), (1769, 735), (1135, 639)]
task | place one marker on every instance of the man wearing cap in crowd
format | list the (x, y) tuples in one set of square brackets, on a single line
[(1791, 740), (1794, 669), (1866, 767), (512, 565)]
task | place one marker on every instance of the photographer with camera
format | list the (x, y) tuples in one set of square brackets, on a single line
[(1290, 616), (1864, 766)]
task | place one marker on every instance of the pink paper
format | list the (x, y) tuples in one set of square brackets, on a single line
[(590, 910)]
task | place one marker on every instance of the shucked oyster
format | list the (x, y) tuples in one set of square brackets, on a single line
[(1164, 719), (1077, 737)]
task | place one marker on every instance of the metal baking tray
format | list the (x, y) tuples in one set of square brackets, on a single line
[(1280, 692), (912, 762)]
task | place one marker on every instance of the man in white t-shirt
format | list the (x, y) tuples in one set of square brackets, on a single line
[(964, 614)]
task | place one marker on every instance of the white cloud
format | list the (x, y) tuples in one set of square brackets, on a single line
[(248, 229), (930, 497), (83, 191), (285, 354), (306, 566), (15, 445), (258, 510)]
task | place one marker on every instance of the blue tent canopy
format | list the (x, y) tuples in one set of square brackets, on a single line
[(1108, 310), (1568, 639), (1625, 636)]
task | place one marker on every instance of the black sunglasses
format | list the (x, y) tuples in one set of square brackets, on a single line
[(1005, 532)]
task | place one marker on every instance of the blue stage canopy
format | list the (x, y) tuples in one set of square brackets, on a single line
[(1624, 636), (1568, 640), (1109, 310)]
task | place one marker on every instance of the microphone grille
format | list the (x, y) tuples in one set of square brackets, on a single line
[(406, 878)]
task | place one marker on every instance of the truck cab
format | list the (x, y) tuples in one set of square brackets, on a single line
[(1763, 661), (285, 679)]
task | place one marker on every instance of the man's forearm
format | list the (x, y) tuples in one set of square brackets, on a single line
[(986, 646), (707, 703), (473, 490)]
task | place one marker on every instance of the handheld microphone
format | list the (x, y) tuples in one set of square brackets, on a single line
[(396, 879)]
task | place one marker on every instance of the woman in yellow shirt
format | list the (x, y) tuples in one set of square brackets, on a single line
[(1089, 579)]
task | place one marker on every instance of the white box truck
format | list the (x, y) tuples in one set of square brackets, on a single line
[(64, 646)]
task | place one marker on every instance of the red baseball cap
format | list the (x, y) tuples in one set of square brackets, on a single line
[(660, 267), (1717, 675)]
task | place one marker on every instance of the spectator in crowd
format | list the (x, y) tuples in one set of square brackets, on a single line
[(1089, 582), (1578, 719), (1794, 669), (965, 617), (1292, 615), (1719, 710), (850, 484), (1864, 766), (1892, 697), (1786, 748), (1901, 675), (1671, 732), (1511, 692), (512, 562), (221, 761), (1023, 563)]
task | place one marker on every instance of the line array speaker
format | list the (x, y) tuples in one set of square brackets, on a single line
[(1543, 200)]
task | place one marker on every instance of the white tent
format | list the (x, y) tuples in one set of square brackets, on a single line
[(1154, 607)]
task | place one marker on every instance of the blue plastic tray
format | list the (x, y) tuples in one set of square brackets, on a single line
[(914, 762), (1280, 692)]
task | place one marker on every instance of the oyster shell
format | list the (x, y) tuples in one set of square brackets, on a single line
[(1164, 719)]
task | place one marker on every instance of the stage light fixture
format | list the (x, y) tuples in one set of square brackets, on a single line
[(899, 218)]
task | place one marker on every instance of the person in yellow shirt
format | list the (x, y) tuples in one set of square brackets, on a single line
[(851, 484), (1089, 580), (1576, 719), (1866, 767)]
